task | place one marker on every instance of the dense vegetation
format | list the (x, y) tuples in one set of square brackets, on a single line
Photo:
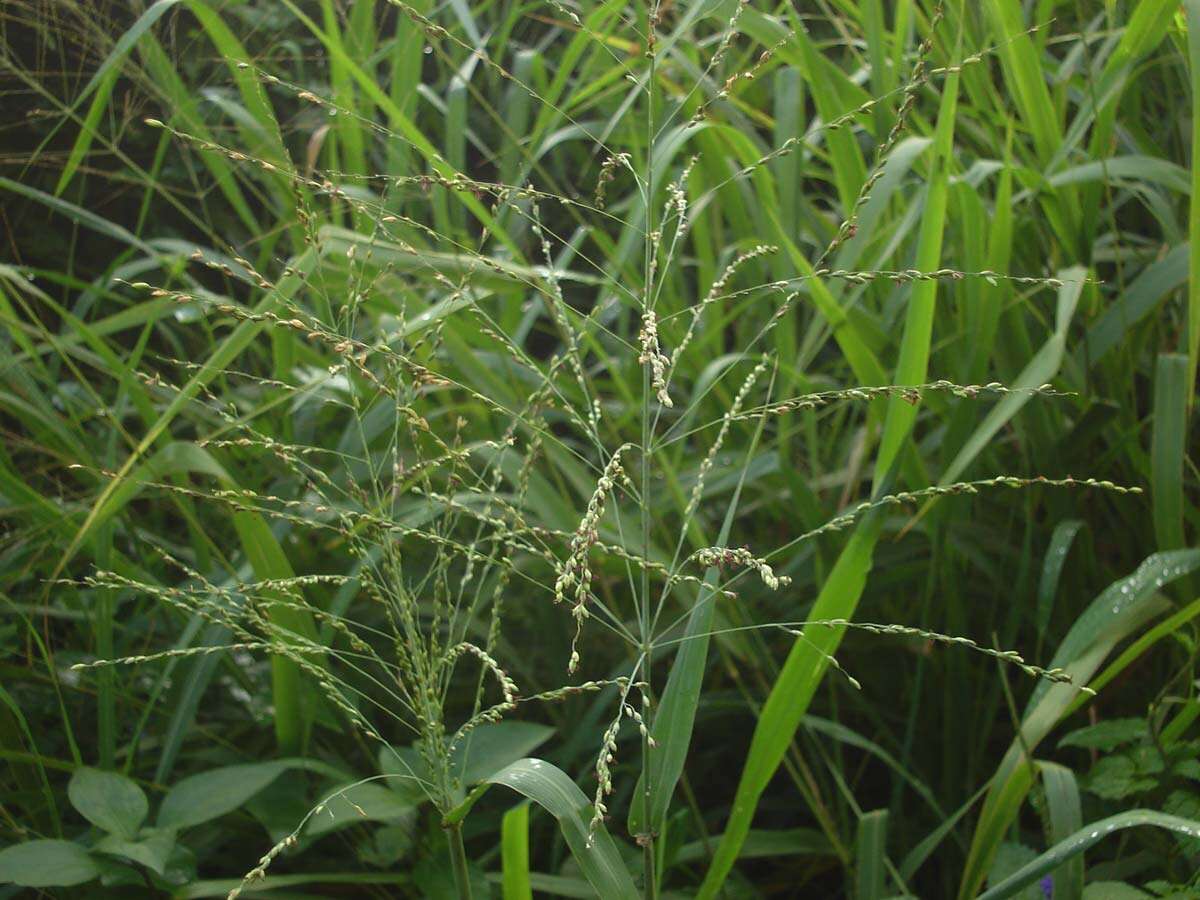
[(626, 450)]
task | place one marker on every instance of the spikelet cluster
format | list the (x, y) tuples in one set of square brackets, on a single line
[(574, 579), (608, 757), (653, 357), (729, 557)]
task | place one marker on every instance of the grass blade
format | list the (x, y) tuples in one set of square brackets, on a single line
[(1024, 72), (675, 717), (1193, 302), (228, 350), (101, 84), (1056, 558), (1120, 610), (797, 682), (594, 850), (1043, 367), (870, 855), (514, 853), (1066, 817), (1168, 448), (1081, 841)]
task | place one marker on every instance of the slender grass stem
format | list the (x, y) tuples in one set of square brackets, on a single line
[(650, 888), (458, 859)]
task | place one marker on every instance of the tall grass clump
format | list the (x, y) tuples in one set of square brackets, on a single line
[(508, 378)]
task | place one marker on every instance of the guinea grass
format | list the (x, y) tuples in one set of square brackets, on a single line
[(522, 307)]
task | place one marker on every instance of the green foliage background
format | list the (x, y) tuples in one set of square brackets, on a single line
[(1029, 224)]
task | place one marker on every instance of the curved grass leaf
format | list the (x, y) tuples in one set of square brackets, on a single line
[(493, 745), (222, 355), (1083, 839), (1119, 611), (594, 850), (1061, 540)]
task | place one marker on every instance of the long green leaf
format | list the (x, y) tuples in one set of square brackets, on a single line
[(675, 717), (1066, 817), (1168, 446), (1061, 540), (1040, 370), (593, 848), (1023, 71), (870, 856), (225, 352), (404, 125), (1120, 610), (514, 853), (1083, 839), (1193, 306), (101, 84), (809, 658)]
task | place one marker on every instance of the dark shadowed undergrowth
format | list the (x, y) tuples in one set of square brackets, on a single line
[(709, 449)]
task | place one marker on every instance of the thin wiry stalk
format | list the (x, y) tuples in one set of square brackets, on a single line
[(649, 391)]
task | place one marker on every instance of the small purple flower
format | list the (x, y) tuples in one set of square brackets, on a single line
[(1047, 886)]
